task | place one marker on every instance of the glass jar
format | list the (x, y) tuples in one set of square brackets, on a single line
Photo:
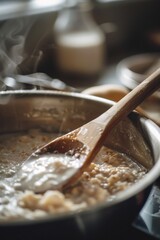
[(80, 43)]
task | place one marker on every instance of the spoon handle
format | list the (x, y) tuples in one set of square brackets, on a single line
[(102, 125), (128, 103)]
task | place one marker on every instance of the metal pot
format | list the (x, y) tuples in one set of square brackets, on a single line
[(62, 112)]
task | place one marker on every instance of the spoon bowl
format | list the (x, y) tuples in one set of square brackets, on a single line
[(62, 161)]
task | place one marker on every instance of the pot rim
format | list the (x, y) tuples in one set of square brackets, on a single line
[(136, 188)]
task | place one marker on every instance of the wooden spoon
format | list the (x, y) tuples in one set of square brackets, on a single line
[(61, 162)]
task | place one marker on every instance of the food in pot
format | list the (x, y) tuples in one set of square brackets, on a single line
[(109, 173)]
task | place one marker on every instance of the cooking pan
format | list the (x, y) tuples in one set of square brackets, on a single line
[(61, 112)]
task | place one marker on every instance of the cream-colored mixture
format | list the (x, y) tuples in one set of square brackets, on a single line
[(109, 173)]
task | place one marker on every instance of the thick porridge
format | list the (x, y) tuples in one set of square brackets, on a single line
[(109, 173)]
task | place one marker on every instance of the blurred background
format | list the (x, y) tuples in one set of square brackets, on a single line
[(28, 38)]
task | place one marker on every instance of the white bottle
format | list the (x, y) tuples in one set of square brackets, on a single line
[(80, 43)]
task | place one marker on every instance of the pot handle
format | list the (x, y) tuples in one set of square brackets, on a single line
[(148, 219)]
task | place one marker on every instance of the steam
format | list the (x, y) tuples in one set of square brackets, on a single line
[(26, 55), (11, 46), (17, 56)]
